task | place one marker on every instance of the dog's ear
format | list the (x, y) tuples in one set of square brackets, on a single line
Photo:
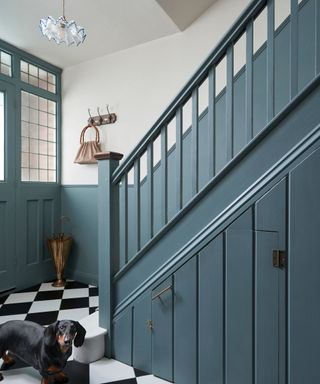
[(81, 332), (50, 333)]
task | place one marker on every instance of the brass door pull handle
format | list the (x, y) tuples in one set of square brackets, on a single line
[(157, 296)]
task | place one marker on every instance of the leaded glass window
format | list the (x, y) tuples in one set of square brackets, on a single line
[(38, 77), (38, 138)]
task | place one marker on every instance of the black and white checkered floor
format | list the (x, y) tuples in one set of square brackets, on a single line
[(45, 304)]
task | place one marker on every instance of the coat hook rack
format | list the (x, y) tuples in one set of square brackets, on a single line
[(98, 120)]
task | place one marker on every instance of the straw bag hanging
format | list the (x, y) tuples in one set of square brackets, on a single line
[(88, 149)]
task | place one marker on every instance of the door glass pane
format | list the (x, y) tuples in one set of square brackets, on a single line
[(1, 136), (38, 138)]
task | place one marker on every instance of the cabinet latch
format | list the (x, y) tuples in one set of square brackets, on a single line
[(150, 324), (279, 259)]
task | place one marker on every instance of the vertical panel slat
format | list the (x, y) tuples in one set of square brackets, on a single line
[(229, 103), (211, 122), (317, 16), (270, 61), (150, 188), (249, 81), (179, 171), (294, 49), (164, 176), (124, 218), (137, 201), (195, 143)]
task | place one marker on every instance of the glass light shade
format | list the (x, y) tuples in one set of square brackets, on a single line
[(62, 31)]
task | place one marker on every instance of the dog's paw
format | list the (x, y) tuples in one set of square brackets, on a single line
[(1, 377)]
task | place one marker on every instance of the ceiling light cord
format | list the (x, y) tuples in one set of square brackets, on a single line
[(63, 9)]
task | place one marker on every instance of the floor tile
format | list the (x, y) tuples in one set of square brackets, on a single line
[(49, 287), (139, 373), (73, 314), (3, 298), (94, 301), (43, 318), (78, 373), (14, 309), (75, 303), (75, 284), (75, 292), (150, 380), (4, 319), (23, 297), (125, 381), (92, 309), (93, 291), (49, 295), (22, 376), (108, 371), (45, 306)]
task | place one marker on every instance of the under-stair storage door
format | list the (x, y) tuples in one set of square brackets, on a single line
[(142, 329), (304, 272), (162, 330), (239, 315), (211, 316), (251, 307), (185, 323)]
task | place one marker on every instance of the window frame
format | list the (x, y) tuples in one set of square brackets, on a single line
[(19, 86)]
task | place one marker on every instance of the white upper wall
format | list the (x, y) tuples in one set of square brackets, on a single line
[(137, 84)]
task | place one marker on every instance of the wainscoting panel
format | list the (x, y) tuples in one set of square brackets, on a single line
[(79, 216)]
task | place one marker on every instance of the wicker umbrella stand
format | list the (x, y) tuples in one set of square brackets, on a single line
[(60, 247)]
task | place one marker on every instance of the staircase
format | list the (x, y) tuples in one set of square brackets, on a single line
[(188, 235)]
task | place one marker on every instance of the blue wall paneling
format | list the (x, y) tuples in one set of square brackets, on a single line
[(80, 209)]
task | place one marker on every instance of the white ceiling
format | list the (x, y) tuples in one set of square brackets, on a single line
[(111, 25)]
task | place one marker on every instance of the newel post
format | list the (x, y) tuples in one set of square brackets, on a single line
[(108, 238)]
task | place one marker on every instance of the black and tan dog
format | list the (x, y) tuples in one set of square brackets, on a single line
[(47, 349)]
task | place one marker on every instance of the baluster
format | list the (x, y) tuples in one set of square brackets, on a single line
[(124, 219), (179, 170), (211, 121), (249, 81), (229, 104), (164, 177), (270, 60), (195, 143), (317, 16), (137, 201), (294, 49), (150, 187)]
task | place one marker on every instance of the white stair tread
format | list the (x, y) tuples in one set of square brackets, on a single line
[(91, 325)]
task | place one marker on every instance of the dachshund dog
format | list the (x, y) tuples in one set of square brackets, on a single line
[(46, 349)]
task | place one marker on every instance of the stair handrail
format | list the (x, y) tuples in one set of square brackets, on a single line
[(214, 57)]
